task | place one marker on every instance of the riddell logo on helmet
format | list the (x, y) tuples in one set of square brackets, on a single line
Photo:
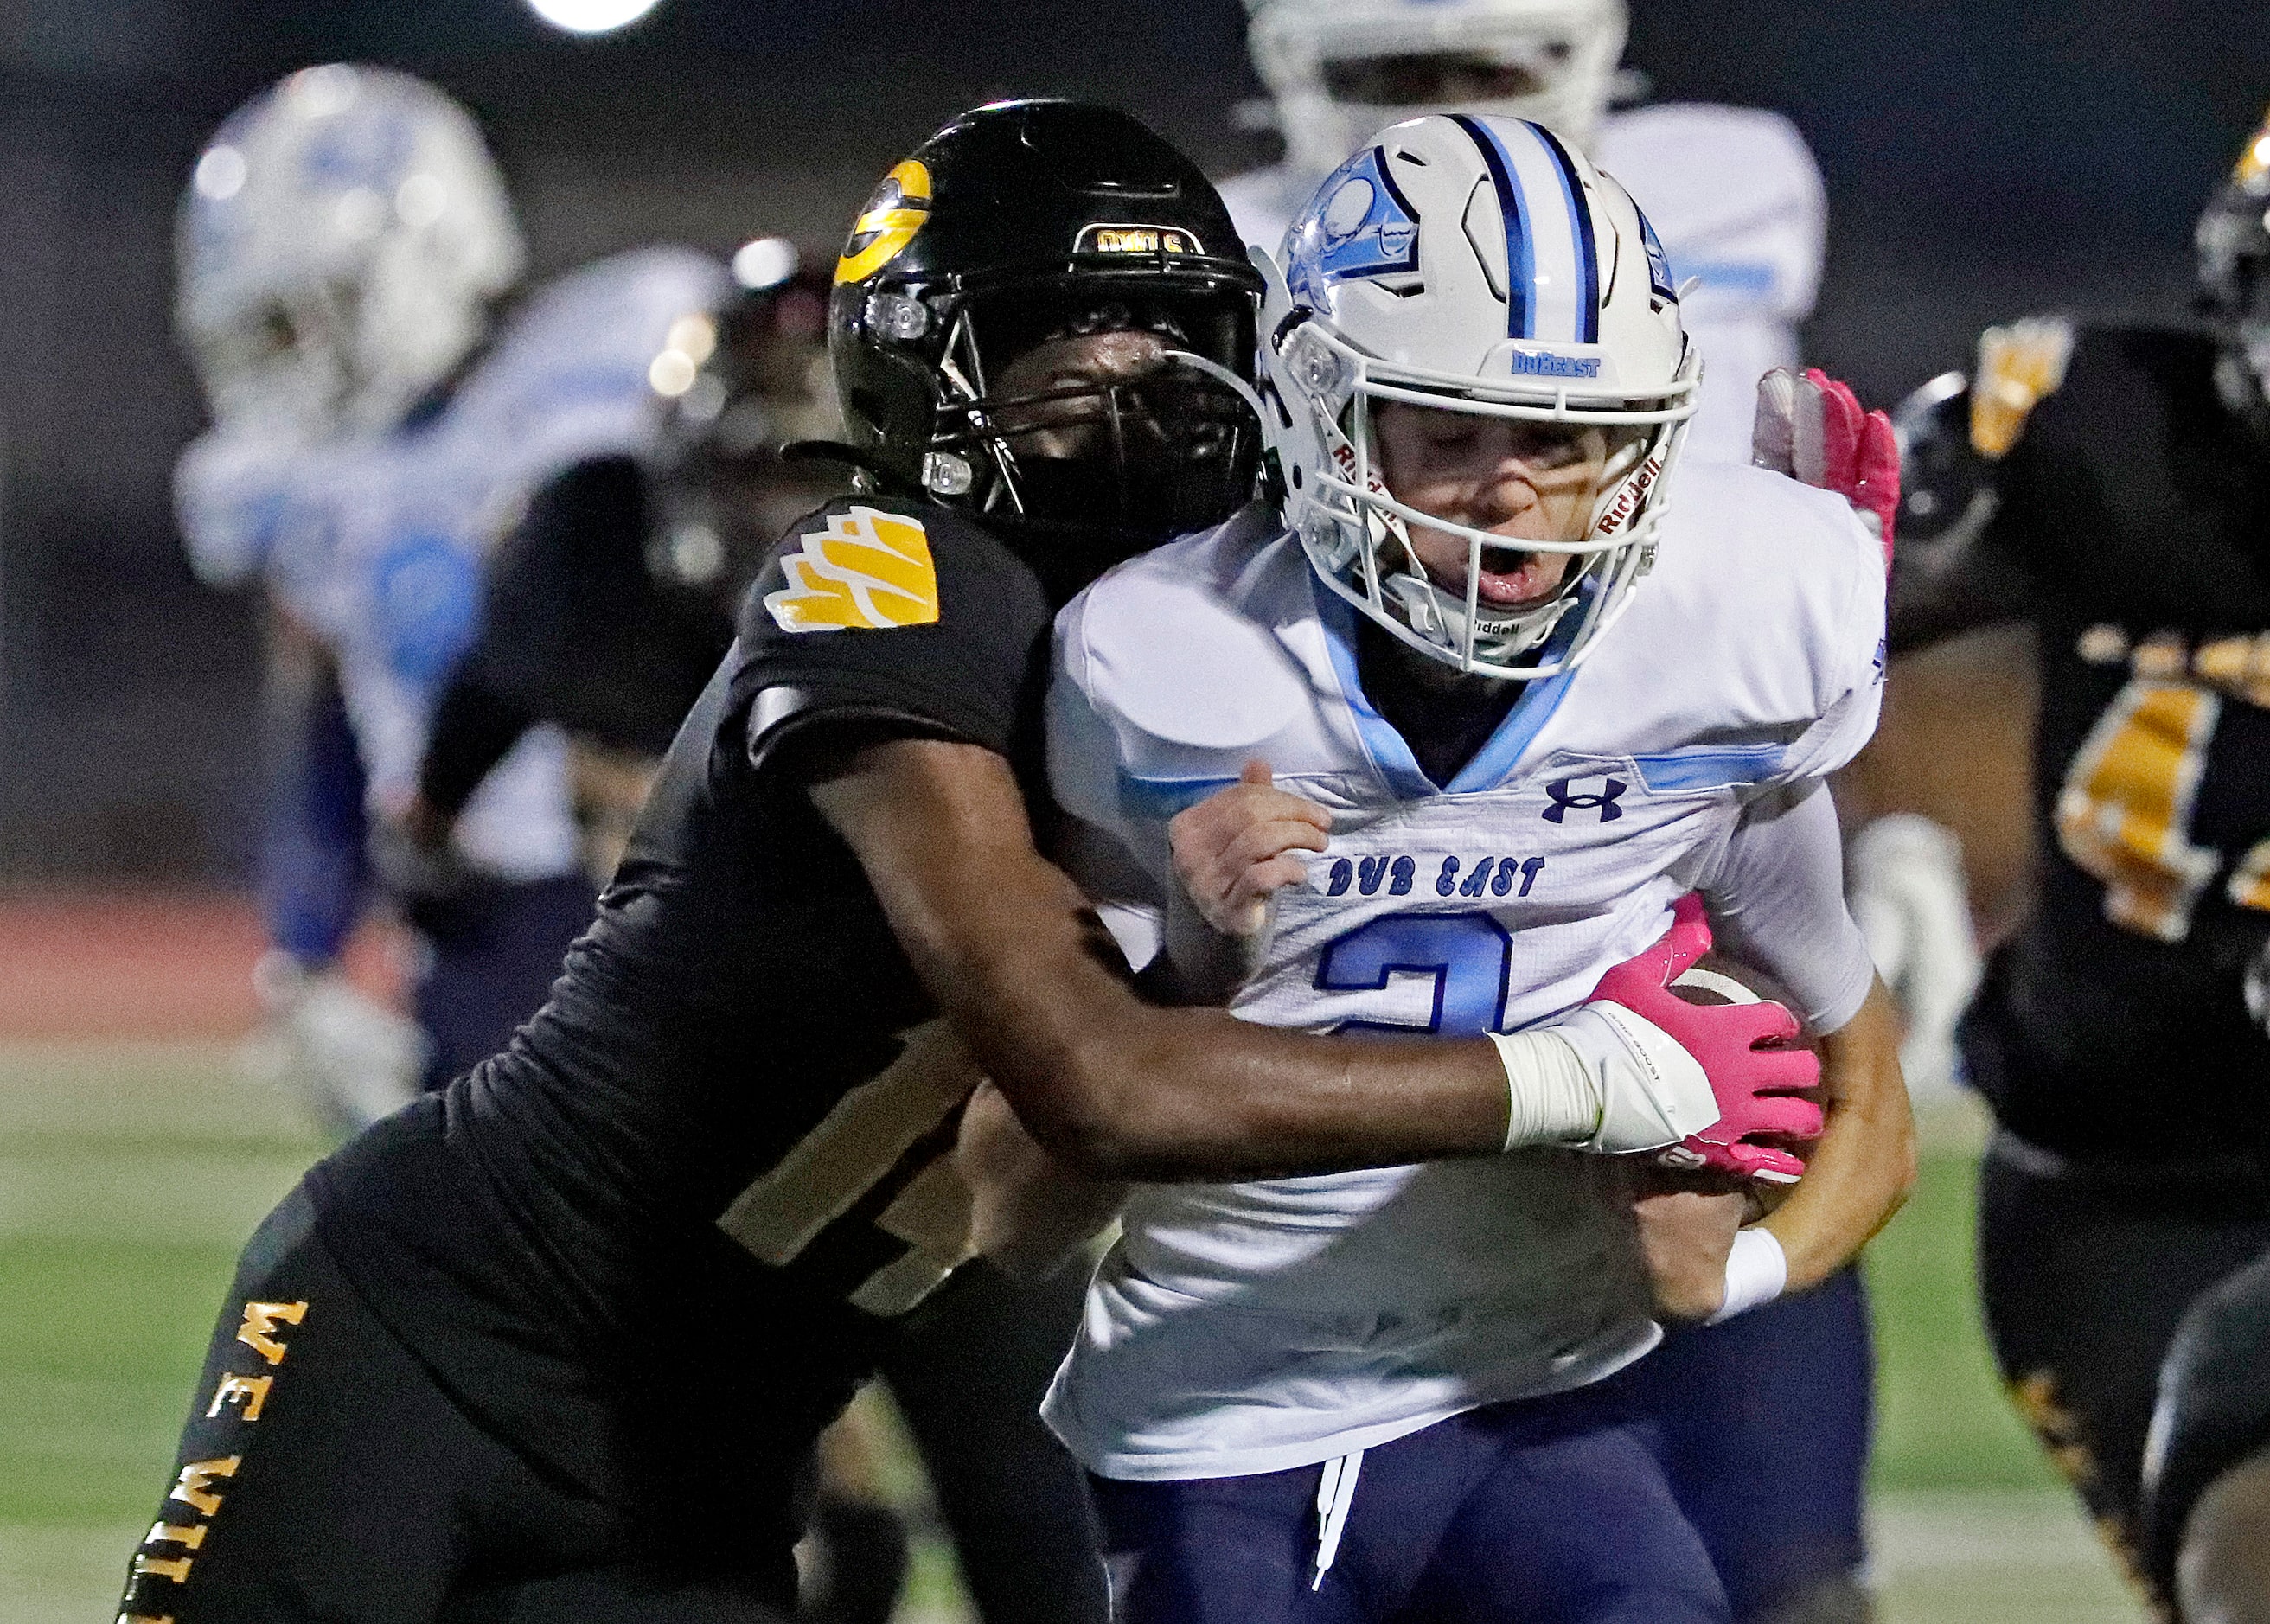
[(1537, 364), (1628, 499)]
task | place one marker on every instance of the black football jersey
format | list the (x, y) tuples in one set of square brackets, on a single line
[(574, 630), (2133, 525), (721, 1139)]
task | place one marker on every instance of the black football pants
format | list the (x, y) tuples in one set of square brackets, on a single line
[(967, 1370), (323, 1475), (2085, 1270)]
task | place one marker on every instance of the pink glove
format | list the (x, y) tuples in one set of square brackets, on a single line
[(1812, 428), (1755, 1087)]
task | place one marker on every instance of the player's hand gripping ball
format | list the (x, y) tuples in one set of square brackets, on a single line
[(1746, 1042)]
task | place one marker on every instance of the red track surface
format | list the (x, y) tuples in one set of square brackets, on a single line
[(138, 966)]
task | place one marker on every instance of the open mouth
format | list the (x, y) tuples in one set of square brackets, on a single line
[(1513, 579)]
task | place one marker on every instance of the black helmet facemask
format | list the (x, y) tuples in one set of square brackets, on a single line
[(2233, 240), (1083, 451)]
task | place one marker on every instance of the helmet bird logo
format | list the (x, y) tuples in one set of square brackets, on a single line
[(895, 210)]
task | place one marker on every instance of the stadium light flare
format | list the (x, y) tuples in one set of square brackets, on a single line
[(590, 16), (764, 263)]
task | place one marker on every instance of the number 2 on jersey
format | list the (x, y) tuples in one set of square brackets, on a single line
[(1469, 955), (2123, 814)]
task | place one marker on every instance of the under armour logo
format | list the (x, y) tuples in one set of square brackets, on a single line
[(1605, 803)]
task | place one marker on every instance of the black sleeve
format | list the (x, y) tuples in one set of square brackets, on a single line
[(541, 653), (891, 616), (474, 729)]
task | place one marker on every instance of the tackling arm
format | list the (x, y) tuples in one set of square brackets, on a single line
[(1114, 1087)]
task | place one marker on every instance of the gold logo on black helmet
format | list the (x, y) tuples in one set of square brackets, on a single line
[(895, 211)]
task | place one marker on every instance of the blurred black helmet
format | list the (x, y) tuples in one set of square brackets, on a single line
[(1022, 223), (2234, 262), (751, 376)]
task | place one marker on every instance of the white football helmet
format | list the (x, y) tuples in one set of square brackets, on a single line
[(1483, 266), (1340, 69), (337, 249)]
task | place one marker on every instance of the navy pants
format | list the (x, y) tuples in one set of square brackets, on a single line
[(492, 968), (1764, 1424), (1551, 1511)]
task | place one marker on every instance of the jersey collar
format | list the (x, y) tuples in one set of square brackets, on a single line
[(1391, 754)]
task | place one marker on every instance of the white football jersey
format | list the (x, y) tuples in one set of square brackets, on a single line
[(1739, 204), (1257, 1326), (1737, 201), (383, 542)]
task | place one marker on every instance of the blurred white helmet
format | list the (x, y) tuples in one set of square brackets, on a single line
[(1483, 266), (1338, 69), (340, 241)]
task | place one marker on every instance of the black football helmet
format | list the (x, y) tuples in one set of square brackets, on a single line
[(1020, 223), (753, 379), (2234, 271), (1947, 487)]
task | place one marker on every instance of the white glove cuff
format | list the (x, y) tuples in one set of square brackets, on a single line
[(1551, 1096), (1652, 1092), (1756, 1271)]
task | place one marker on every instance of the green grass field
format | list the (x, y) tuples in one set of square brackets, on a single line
[(129, 1174)]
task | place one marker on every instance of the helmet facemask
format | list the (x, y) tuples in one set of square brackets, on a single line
[(1111, 424), (1357, 531), (2233, 240)]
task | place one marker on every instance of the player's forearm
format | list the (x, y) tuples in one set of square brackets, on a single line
[(1119, 1088), (1864, 1165), (1111, 1086)]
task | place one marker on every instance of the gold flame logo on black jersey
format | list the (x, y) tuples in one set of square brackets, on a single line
[(868, 570)]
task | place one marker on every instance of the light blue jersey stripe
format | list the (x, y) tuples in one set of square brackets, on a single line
[(1709, 767), (1381, 742), (1143, 798), (1490, 766)]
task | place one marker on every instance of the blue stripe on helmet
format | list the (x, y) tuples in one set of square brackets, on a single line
[(1520, 266), (1580, 226)]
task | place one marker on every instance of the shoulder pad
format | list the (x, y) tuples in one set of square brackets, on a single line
[(2018, 364), (1947, 489), (871, 563), (1174, 657)]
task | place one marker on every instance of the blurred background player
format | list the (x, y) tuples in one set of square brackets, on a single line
[(345, 247), (2107, 485), (1733, 193), (1738, 205), (605, 612)]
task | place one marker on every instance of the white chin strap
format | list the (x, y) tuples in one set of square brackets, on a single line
[(1435, 614)]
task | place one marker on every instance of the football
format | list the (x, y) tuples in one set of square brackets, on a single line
[(1721, 978)]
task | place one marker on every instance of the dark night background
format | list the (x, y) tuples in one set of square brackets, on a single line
[(1983, 158)]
